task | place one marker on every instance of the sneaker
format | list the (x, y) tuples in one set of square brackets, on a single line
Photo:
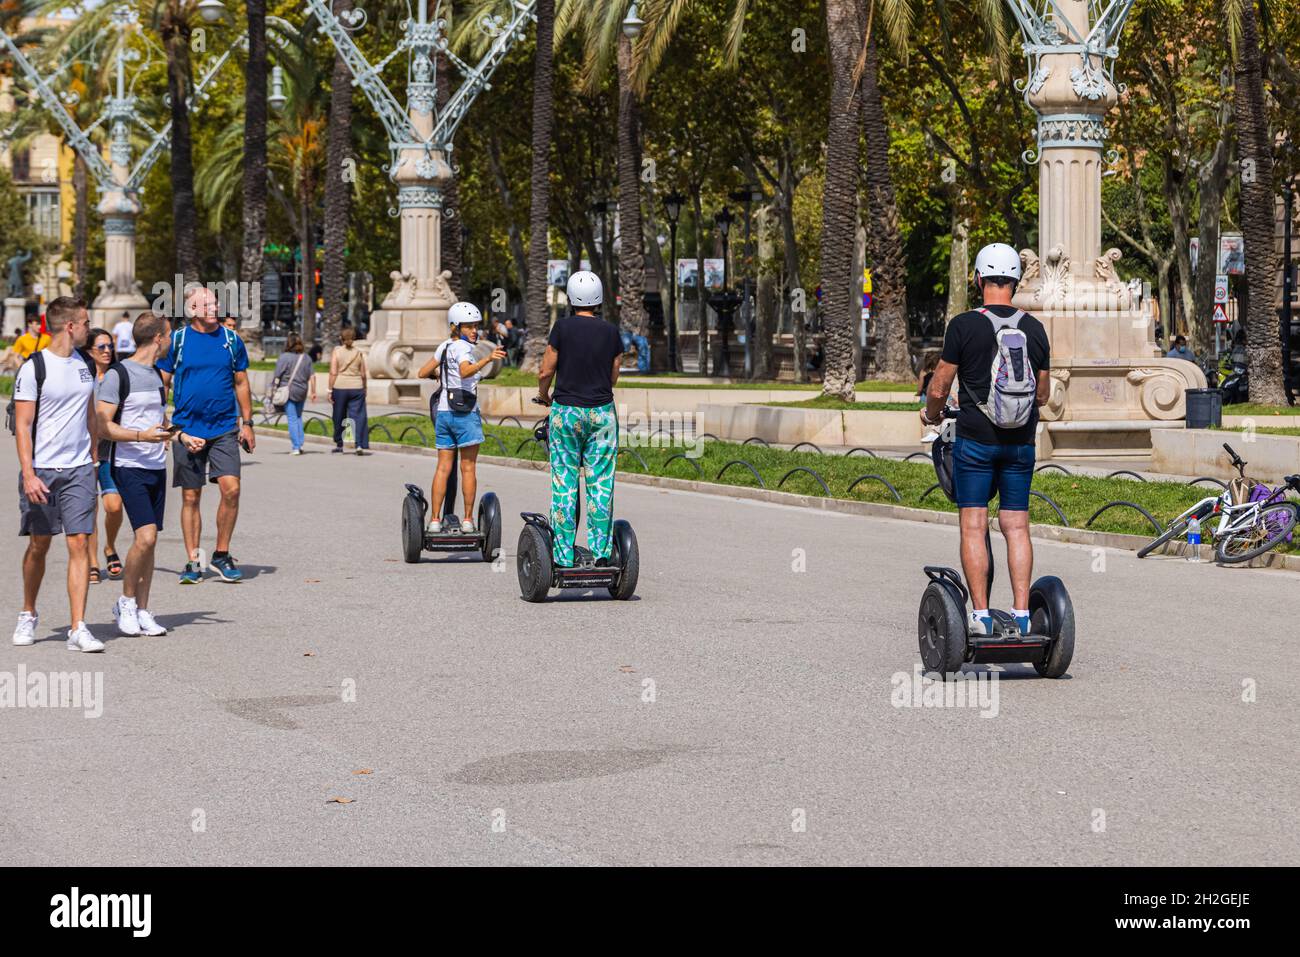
[(25, 633), (226, 570), (80, 639), (126, 616), (295, 452), (147, 624), (336, 449), (980, 626), (363, 451), (192, 575), (467, 527), (1024, 622)]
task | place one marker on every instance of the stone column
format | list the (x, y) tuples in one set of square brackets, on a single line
[(1110, 386), (119, 291)]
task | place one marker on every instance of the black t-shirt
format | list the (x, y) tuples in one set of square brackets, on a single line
[(968, 344), (587, 347)]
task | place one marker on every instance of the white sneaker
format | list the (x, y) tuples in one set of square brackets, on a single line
[(80, 639), (25, 633), (147, 624), (467, 527), (296, 452), (126, 616)]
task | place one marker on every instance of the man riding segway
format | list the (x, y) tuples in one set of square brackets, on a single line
[(1000, 357)]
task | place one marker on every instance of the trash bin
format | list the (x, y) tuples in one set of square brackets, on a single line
[(1204, 408)]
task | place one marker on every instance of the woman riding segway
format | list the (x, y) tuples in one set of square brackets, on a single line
[(457, 422)]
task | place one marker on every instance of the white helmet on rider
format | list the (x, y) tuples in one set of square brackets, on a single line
[(585, 290), (997, 260), (464, 313)]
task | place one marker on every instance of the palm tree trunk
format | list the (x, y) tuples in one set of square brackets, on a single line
[(884, 237), (539, 212), (632, 315), (308, 285), (176, 41), (80, 225), (453, 256), (251, 259), (338, 194), (1258, 216), (840, 200)]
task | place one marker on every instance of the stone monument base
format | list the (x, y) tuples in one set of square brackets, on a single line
[(15, 316)]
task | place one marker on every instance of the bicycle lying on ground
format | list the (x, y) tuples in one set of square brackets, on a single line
[(1250, 523)]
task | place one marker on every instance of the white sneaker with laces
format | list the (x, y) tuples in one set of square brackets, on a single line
[(25, 633), (467, 526), (147, 624), (80, 639), (126, 615)]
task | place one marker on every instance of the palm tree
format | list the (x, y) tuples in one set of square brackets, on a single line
[(338, 192), (1258, 203), (173, 19), (254, 144), (540, 209)]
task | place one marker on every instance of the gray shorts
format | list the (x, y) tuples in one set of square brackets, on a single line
[(69, 507), (219, 457)]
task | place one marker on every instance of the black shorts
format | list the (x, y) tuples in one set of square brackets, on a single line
[(144, 494), (218, 457)]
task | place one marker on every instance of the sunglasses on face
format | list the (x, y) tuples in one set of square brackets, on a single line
[(104, 347)]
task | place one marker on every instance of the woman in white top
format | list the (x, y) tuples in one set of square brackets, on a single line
[(458, 425)]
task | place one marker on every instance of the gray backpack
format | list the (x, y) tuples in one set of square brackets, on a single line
[(1013, 385)]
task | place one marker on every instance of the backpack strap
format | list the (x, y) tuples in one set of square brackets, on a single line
[(999, 323), (38, 368)]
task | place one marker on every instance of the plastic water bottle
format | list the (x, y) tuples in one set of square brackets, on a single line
[(1194, 538)]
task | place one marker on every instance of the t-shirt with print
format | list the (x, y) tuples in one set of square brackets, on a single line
[(451, 354), (62, 423), (203, 392), (142, 410)]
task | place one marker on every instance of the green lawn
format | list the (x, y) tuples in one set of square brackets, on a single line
[(6, 385), (831, 402), (1077, 496), (512, 376), (1265, 430), (268, 365), (1257, 409)]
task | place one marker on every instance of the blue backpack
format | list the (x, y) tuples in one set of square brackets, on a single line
[(178, 350)]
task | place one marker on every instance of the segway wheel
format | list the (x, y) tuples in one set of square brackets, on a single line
[(628, 557), (1052, 614), (489, 523), (941, 629), (412, 530), (534, 564)]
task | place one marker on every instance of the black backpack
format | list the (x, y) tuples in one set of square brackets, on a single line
[(38, 366)]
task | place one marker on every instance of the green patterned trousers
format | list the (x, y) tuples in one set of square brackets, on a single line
[(586, 438)]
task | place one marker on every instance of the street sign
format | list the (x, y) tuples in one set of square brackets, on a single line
[(1221, 288), (1219, 314)]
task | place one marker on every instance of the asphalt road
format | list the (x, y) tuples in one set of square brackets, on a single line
[(498, 732)]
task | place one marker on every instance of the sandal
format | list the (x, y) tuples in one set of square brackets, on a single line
[(114, 566), (94, 576)]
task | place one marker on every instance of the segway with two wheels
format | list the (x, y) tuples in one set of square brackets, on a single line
[(417, 538), (942, 623), (538, 573)]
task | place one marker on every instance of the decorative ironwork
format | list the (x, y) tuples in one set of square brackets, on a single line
[(1046, 30), (419, 197), (1071, 131)]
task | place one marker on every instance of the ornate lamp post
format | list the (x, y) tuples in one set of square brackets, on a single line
[(724, 303), (412, 319), (1107, 379), (117, 181), (673, 210)]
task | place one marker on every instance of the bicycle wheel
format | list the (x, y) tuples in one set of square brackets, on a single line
[(1170, 533), (1270, 529)]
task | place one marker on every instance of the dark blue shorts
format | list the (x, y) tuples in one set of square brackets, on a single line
[(981, 471), (144, 494)]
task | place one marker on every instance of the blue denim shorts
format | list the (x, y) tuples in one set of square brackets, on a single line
[(980, 471), (104, 472), (456, 430)]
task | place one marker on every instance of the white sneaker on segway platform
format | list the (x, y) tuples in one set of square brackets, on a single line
[(148, 626), (467, 527), (80, 639), (126, 615), (25, 632)]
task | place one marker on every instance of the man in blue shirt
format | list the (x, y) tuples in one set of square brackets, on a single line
[(207, 371)]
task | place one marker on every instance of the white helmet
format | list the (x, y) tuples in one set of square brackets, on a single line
[(464, 313), (997, 260), (585, 290)]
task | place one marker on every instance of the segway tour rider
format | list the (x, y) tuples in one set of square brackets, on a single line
[(458, 424), (582, 355), (1000, 357)]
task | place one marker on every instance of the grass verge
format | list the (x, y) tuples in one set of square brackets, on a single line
[(513, 376)]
